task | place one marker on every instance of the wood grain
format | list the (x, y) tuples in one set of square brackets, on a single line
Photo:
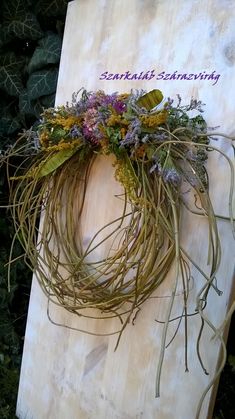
[(67, 374)]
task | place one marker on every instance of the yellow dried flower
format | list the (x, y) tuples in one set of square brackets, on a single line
[(116, 119), (153, 120), (67, 122), (62, 145), (123, 96), (104, 142), (124, 175), (123, 132), (44, 139)]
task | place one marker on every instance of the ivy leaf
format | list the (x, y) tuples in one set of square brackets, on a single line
[(48, 52), (48, 101), (4, 105), (42, 83), (25, 27), (5, 35), (10, 81), (11, 61), (51, 7), (28, 106), (8, 125), (12, 9), (10, 74)]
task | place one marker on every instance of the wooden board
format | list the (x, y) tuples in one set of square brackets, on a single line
[(66, 374)]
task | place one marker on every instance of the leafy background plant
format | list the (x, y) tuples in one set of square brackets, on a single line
[(31, 34), (30, 46)]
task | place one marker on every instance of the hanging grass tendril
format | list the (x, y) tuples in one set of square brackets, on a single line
[(160, 150)]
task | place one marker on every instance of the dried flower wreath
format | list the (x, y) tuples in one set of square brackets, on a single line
[(158, 147)]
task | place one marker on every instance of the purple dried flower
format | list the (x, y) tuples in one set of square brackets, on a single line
[(155, 168), (79, 106), (75, 131), (169, 103), (95, 99), (90, 128), (133, 133), (195, 105), (179, 99), (133, 98), (145, 138), (161, 136), (171, 176), (108, 99), (119, 106)]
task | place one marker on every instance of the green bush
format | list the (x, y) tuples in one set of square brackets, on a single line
[(30, 47)]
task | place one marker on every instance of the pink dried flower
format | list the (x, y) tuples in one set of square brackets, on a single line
[(90, 125)]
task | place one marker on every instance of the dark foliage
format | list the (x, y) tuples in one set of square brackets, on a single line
[(30, 45)]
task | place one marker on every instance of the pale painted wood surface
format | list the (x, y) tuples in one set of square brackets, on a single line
[(69, 375)]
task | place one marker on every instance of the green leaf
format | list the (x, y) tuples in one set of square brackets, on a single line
[(11, 61), (150, 99), (10, 81), (150, 151), (55, 161), (26, 27), (58, 133), (48, 52), (10, 74), (4, 105), (48, 101), (12, 9), (5, 35), (28, 106), (51, 7), (42, 83), (8, 125)]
